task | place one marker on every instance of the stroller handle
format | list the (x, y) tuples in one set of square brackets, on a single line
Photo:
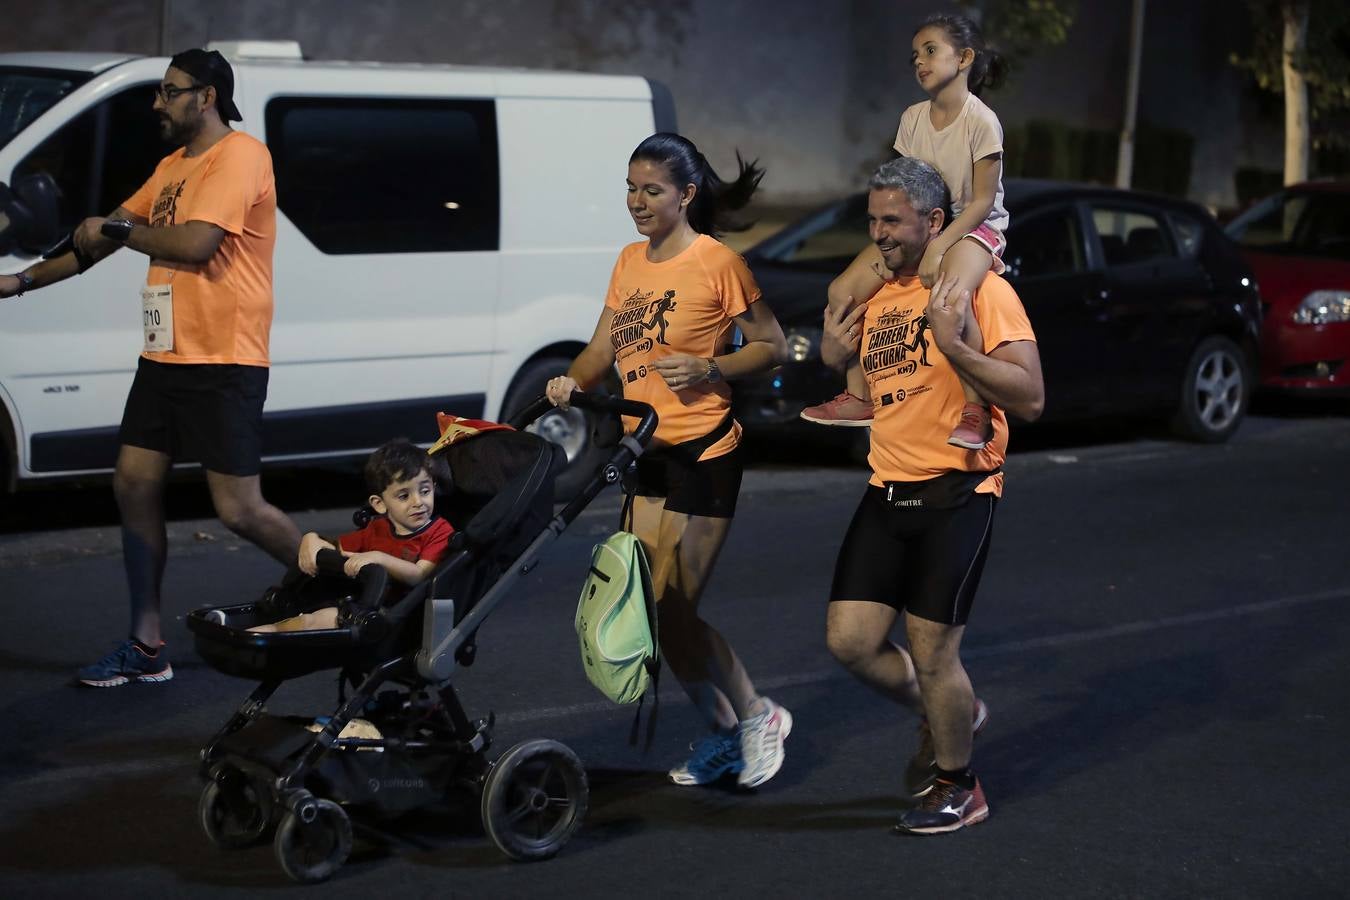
[(601, 403), (372, 579)]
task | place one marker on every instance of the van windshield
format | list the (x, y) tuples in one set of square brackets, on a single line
[(26, 94)]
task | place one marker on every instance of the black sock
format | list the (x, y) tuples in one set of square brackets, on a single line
[(962, 778), (144, 648)]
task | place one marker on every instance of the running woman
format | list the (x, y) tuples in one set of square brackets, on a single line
[(673, 301)]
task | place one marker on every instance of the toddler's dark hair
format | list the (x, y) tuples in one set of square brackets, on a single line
[(396, 460)]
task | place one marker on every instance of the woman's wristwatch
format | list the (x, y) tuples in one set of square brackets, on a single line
[(25, 282), (714, 374)]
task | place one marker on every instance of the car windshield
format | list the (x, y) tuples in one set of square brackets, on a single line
[(1297, 223), (26, 94), (825, 241)]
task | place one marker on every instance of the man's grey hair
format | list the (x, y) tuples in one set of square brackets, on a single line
[(921, 183)]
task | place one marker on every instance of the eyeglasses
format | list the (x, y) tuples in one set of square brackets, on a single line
[(169, 93)]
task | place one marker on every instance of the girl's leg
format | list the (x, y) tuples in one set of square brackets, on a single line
[(969, 261), (856, 284)]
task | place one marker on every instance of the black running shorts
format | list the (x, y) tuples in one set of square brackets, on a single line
[(708, 488), (211, 414), (919, 560)]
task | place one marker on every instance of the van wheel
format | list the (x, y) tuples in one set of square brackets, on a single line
[(578, 432), (1214, 393)]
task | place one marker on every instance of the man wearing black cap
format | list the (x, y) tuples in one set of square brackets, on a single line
[(207, 221)]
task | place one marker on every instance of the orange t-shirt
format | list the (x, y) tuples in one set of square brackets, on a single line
[(916, 395), (222, 309), (684, 305)]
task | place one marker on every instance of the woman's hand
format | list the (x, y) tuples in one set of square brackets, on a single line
[(681, 372), (559, 391)]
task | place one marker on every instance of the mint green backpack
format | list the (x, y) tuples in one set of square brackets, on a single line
[(616, 622)]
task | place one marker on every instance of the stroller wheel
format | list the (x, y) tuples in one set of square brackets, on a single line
[(312, 851), (235, 814), (534, 798)]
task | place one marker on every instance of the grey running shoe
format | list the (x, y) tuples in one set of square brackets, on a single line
[(762, 738)]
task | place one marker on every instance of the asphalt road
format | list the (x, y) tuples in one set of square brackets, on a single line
[(1159, 637)]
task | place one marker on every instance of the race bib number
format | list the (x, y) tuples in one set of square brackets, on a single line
[(157, 317)]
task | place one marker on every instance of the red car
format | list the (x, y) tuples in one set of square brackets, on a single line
[(1297, 243)]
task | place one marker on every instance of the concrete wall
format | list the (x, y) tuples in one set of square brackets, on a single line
[(811, 88)]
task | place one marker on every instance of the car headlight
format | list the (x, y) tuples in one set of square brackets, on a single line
[(803, 344), (1321, 307)]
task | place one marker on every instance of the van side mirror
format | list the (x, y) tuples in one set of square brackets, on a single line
[(30, 214)]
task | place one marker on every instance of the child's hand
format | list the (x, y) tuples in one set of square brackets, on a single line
[(310, 545), (929, 266), (358, 561)]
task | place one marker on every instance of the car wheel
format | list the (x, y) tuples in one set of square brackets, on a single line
[(574, 430), (1214, 392)]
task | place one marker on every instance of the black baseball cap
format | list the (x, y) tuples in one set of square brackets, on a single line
[(209, 67)]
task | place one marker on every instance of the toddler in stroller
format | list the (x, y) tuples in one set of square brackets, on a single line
[(404, 536), (268, 772)]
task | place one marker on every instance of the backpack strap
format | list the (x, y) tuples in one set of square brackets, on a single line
[(653, 663)]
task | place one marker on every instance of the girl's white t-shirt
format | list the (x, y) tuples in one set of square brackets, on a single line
[(975, 134)]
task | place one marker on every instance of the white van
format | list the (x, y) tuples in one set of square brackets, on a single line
[(445, 235)]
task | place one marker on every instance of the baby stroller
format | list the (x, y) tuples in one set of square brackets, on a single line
[(303, 778)]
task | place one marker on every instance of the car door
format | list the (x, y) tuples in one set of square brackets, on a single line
[(1154, 303), (1049, 265)]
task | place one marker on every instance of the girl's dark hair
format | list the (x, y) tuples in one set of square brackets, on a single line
[(714, 198), (989, 67), (397, 460)]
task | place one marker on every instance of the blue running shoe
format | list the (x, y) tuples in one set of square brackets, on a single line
[(714, 756), (127, 663)]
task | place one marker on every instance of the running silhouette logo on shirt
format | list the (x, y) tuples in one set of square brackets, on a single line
[(895, 337), (165, 210), (631, 329)]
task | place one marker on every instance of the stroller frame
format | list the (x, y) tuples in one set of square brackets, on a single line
[(265, 771)]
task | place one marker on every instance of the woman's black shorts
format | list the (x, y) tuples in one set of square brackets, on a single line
[(916, 559), (708, 488), (211, 414)]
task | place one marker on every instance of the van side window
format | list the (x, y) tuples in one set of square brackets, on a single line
[(361, 175), (102, 156)]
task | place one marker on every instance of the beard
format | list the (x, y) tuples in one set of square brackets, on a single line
[(176, 134)]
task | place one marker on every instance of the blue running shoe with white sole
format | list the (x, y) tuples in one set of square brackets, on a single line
[(125, 664), (714, 756)]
